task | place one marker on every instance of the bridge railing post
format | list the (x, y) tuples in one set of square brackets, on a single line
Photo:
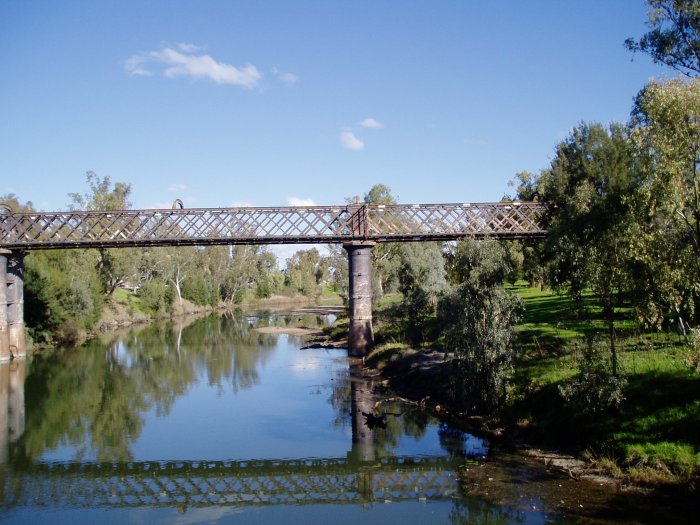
[(361, 334), (4, 336)]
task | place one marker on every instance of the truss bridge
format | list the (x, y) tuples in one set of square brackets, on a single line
[(239, 483), (358, 227), (289, 225)]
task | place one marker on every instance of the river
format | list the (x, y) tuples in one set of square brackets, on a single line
[(214, 420)]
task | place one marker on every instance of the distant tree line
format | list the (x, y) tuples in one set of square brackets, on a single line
[(66, 290)]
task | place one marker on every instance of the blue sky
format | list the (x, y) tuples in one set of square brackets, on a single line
[(265, 103)]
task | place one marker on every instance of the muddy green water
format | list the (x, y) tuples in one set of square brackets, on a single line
[(216, 422)]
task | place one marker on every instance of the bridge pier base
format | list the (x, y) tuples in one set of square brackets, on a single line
[(12, 341), (361, 334)]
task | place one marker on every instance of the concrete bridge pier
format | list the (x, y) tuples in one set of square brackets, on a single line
[(12, 342), (15, 304), (5, 355), (361, 334)]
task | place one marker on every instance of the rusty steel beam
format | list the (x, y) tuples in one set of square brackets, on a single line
[(288, 225)]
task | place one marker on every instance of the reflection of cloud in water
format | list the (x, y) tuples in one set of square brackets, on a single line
[(305, 364), (206, 515)]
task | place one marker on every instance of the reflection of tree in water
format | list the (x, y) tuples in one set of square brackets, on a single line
[(388, 420), (93, 398)]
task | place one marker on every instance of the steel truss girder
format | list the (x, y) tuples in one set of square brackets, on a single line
[(288, 225)]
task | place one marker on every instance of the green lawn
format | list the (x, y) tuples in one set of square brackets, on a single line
[(655, 432)]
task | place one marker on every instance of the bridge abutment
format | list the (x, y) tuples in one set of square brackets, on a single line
[(12, 341), (361, 334)]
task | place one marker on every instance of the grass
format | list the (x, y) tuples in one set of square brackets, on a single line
[(129, 300), (653, 436)]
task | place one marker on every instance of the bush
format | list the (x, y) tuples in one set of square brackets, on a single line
[(479, 330), (155, 296), (477, 318), (200, 290), (68, 333), (594, 389)]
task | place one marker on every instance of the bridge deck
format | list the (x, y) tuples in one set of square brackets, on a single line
[(290, 225)]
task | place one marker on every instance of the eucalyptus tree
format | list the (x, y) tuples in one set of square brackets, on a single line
[(588, 193), (385, 256), (302, 274), (530, 264), (115, 266), (477, 317), (666, 136), (422, 280), (673, 38)]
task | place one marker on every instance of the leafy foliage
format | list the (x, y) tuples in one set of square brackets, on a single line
[(421, 281), (667, 140), (674, 35), (477, 317), (595, 388)]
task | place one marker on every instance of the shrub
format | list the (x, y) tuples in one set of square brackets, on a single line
[(155, 296), (595, 388)]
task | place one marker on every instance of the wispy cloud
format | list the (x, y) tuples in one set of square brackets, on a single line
[(349, 141), (371, 123), (177, 187), (241, 204), (286, 78), (296, 201), (186, 60)]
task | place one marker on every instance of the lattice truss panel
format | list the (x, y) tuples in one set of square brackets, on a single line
[(318, 224), (454, 220), (233, 485)]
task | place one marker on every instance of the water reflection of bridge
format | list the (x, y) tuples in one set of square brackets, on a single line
[(240, 483)]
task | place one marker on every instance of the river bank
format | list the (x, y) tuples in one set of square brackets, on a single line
[(648, 442), (123, 310)]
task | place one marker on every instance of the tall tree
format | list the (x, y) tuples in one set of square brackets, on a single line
[(115, 266), (477, 316), (589, 216), (421, 282), (385, 256), (302, 272), (667, 139), (674, 35)]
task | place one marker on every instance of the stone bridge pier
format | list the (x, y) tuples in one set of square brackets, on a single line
[(361, 334), (12, 342)]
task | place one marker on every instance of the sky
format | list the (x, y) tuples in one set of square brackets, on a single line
[(274, 103)]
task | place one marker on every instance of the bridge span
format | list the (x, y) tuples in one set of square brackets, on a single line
[(240, 483), (357, 226)]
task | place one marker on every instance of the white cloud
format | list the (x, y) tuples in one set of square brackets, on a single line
[(296, 201), (177, 187), (189, 48), (186, 62), (350, 141), (371, 123), (286, 78), (241, 204)]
